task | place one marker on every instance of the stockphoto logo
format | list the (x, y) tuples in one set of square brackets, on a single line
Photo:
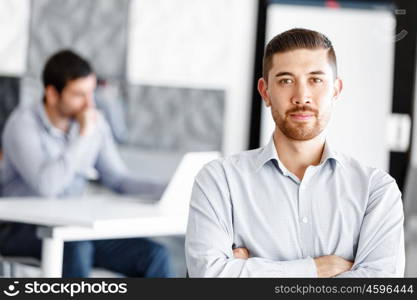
[(12, 289), (68, 288)]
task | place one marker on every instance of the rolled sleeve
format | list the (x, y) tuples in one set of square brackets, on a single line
[(380, 250)]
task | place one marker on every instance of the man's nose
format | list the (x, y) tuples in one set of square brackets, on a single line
[(301, 95)]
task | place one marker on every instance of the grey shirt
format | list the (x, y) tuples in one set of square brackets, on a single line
[(251, 200), (42, 160)]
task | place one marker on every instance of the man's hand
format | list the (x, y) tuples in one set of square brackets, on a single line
[(242, 253), (87, 119), (331, 265)]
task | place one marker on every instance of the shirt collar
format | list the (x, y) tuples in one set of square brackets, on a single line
[(330, 154), (269, 152), (51, 129)]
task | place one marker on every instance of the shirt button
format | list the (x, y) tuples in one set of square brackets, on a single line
[(305, 220)]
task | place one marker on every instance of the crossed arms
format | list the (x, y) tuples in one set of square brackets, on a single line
[(327, 266), (210, 237)]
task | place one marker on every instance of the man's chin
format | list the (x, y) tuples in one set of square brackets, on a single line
[(301, 133), (68, 115), (73, 115), (302, 138)]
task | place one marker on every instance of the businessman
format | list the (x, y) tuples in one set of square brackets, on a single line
[(295, 207), (50, 150)]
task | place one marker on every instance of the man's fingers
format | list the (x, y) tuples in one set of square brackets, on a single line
[(241, 253), (350, 264), (332, 265)]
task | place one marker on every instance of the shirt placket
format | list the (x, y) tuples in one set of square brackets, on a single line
[(305, 215)]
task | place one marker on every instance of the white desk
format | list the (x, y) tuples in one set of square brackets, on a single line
[(92, 217)]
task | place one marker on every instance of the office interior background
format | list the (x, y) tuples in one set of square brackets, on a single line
[(180, 75)]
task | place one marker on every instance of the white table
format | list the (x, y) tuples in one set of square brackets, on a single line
[(88, 218)]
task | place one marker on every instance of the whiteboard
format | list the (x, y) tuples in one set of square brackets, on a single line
[(364, 45)]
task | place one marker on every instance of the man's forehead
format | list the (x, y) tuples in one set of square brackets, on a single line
[(89, 80), (301, 59)]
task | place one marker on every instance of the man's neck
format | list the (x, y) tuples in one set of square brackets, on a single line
[(298, 155), (56, 119)]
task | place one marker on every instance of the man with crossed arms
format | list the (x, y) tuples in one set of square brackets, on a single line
[(295, 207)]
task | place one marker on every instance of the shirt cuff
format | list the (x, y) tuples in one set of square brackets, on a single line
[(301, 268)]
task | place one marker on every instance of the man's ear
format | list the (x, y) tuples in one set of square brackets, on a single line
[(338, 86), (51, 95), (263, 90)]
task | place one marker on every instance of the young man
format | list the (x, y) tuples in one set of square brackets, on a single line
[(50, 150), (295, 207)]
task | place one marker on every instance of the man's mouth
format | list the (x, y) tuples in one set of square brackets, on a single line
[(301, 116)]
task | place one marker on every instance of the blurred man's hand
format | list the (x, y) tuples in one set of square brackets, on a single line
[(87, 119)]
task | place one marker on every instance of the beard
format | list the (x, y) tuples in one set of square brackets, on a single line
[(65, 111), (301, 131)]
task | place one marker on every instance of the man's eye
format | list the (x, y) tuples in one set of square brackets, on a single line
[(317, 80), (286, 81)]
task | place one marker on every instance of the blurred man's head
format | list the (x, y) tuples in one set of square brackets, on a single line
[(69, 83), (300, 82)]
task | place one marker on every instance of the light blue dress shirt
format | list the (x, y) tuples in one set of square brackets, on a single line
[(251, 200), (42, 160)]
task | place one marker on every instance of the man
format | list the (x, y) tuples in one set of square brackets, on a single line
[(50, 150), (295, 207)]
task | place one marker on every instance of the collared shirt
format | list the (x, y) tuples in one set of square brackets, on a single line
[(252, 200), (42, 160)]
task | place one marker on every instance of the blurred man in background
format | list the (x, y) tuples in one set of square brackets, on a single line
[(51, 149)]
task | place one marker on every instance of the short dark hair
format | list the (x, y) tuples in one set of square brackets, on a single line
[(64, 66), (297, 38)]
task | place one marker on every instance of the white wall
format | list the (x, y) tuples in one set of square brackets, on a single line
[(414, 145), (14, 36), (364, 45)]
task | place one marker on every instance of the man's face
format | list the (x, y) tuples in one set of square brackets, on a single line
[(77, 95), (301, 91)]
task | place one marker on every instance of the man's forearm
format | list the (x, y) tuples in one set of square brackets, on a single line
[(327, 266), (252, 267)]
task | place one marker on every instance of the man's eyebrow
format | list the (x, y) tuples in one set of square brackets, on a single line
[(318, 72), (284, 74)]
